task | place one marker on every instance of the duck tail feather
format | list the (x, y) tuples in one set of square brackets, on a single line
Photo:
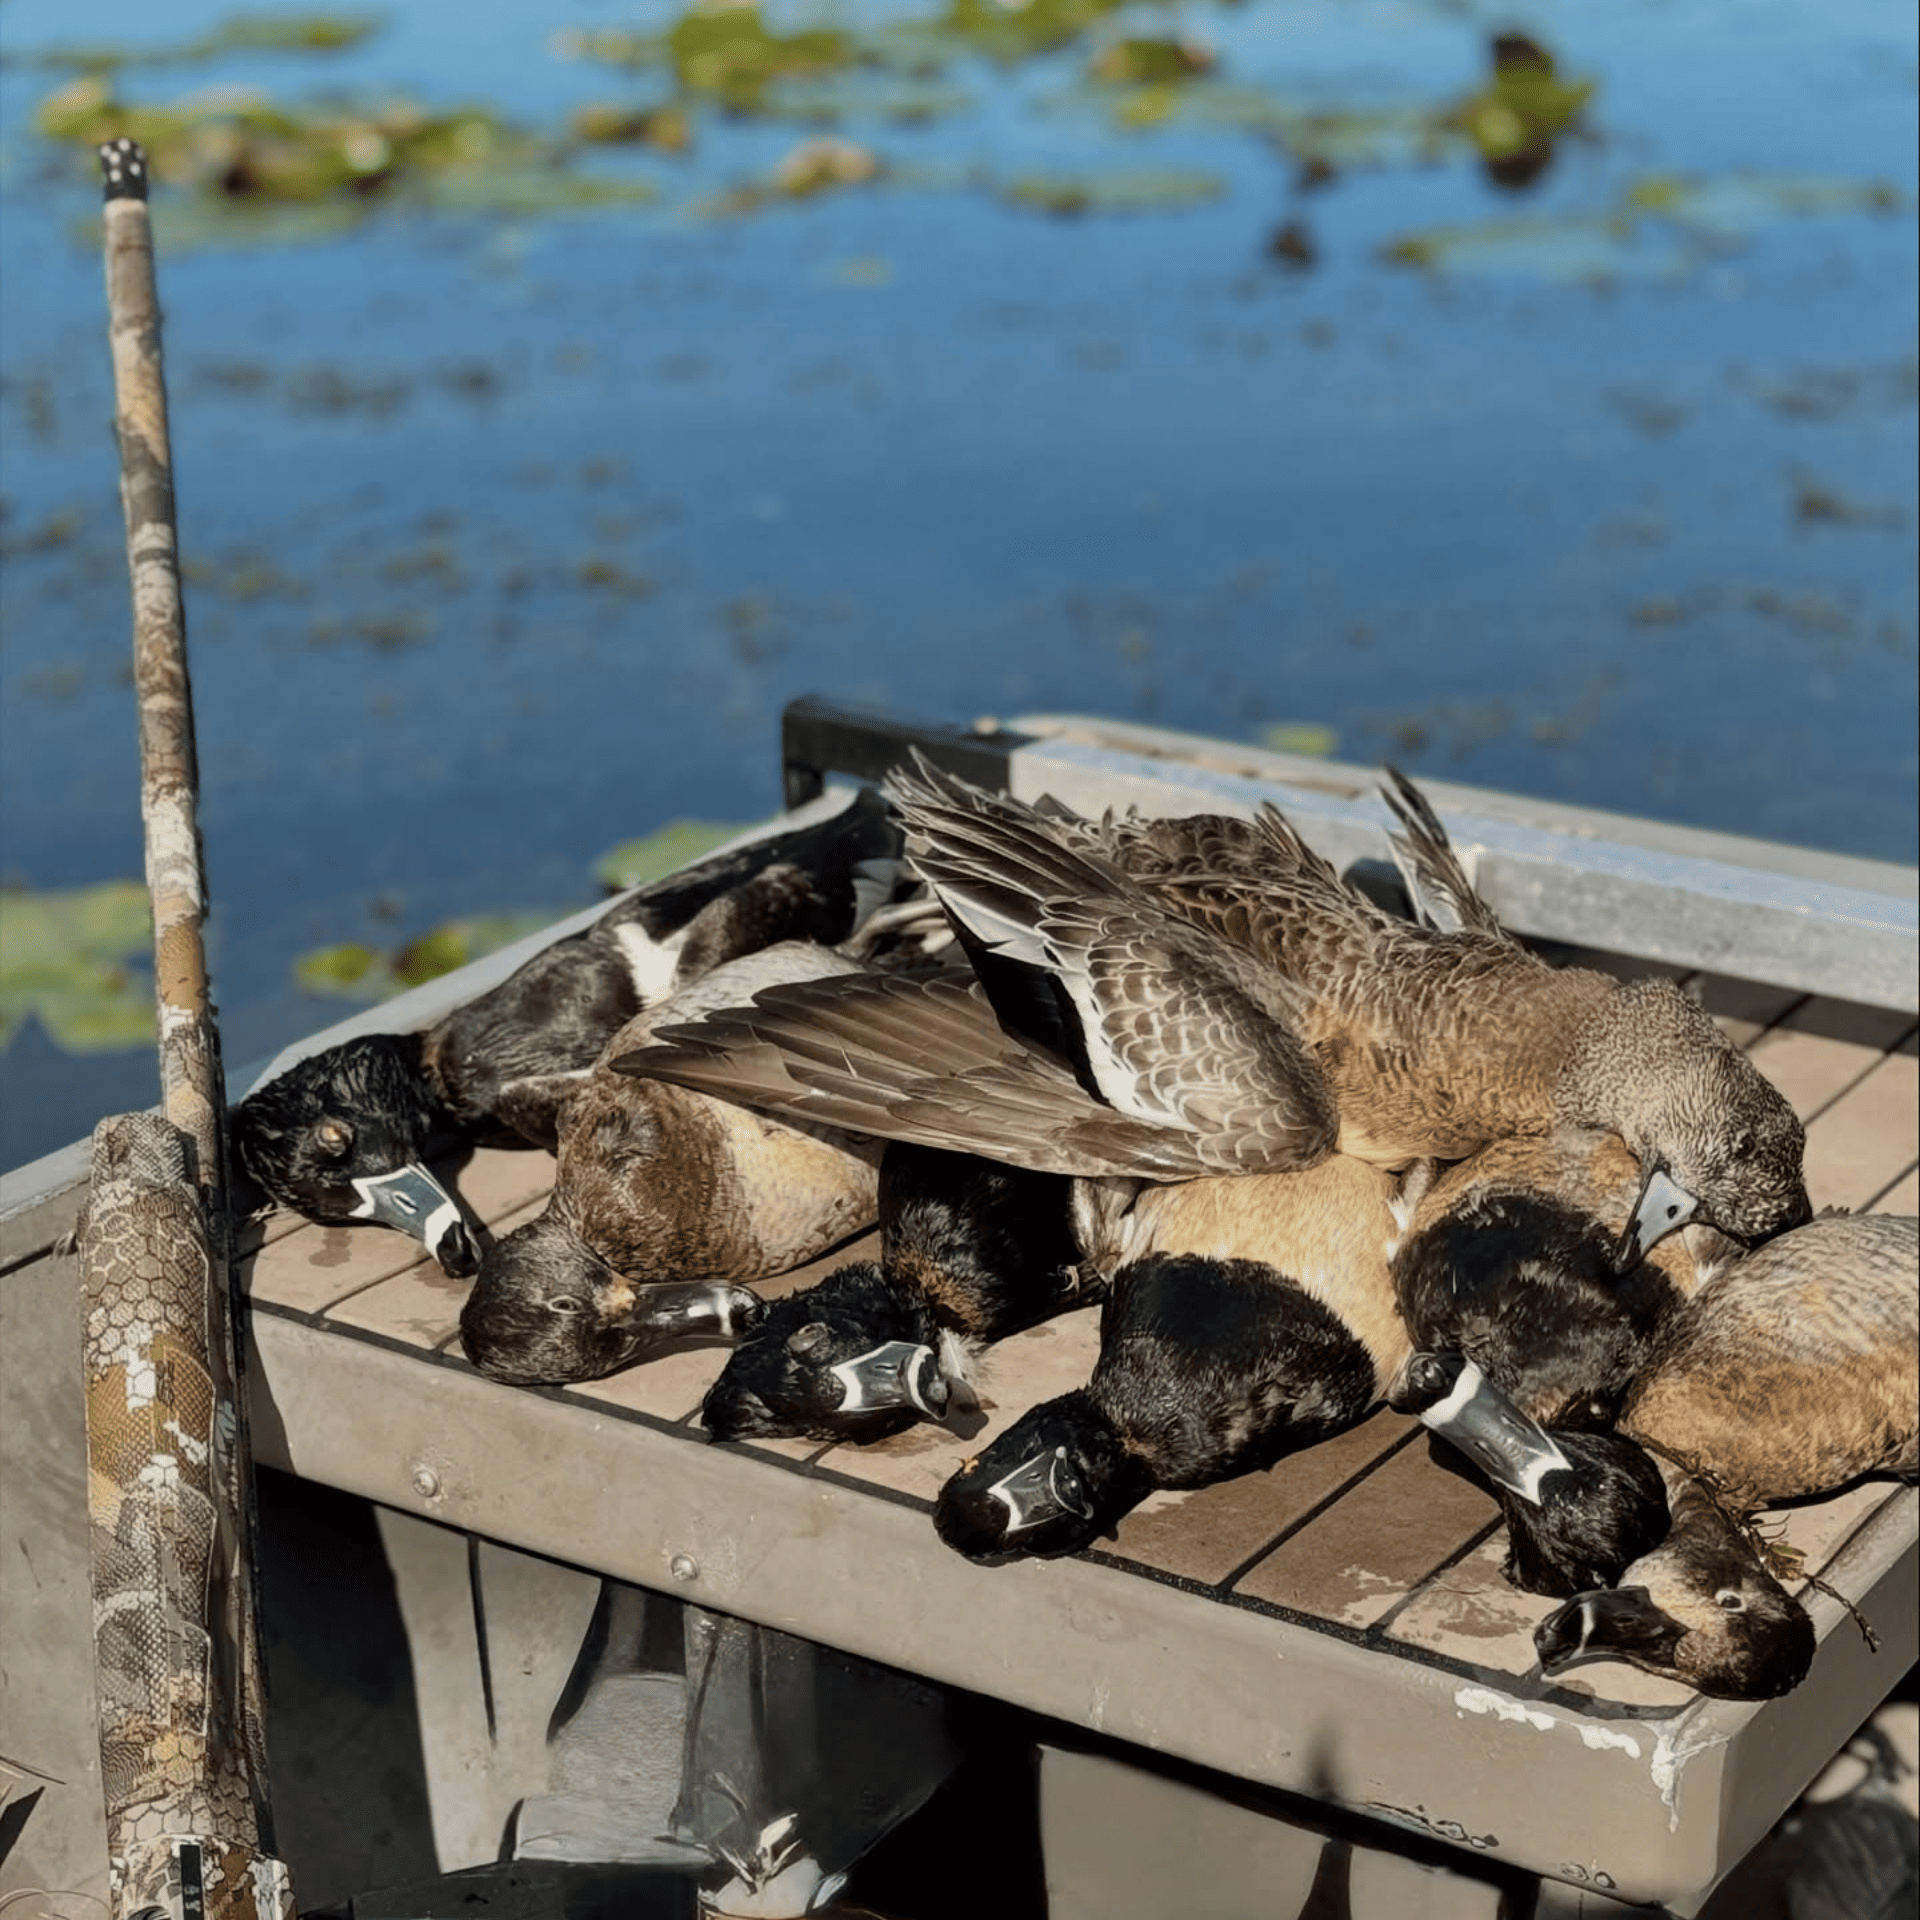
[(1436, 881)]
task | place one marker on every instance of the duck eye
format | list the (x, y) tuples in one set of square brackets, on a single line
[(808, 1339), (1728, 1601), (564, 1303), (333, 1137)]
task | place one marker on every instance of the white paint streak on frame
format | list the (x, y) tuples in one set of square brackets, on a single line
[(1485, 1700), (1596, 1738)]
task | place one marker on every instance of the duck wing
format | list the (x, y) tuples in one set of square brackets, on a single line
[(925, 1059), (1165, 1008), (1436, 882)]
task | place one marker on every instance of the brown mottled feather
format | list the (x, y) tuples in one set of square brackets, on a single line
[(1236, 1007), (1795, 1369)]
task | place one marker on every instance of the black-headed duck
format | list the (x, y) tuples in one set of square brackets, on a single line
[(1249, 1318), (666, 1206), (1213, 989), (1511, 1261), (970, 1250), (344, 1134)]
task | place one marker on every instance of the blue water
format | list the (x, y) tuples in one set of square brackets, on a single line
[(512, 535)]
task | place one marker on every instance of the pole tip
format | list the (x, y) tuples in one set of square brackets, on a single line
[(123, 165)]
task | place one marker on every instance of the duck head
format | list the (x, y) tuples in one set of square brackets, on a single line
[(1700, 1609), (856, 1357), (344, 1135), (547, 1309), (1591, 1522), (1054, 1482), (1716, 1141)]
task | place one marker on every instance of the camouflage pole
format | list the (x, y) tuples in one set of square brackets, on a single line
[(169, 1491)]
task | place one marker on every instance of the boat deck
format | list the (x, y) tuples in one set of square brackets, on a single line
[(1337, 1626)]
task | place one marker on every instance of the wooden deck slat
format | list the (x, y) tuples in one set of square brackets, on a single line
[(1203, 1536), (316, 1268), (1903, 1196), (1864, 1139), (1363, 1557), (1470, 1612), (1744, 1009), (417, 1307), (497, 1181), (1822, 1047)]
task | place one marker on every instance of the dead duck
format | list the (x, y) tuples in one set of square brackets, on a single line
[(666, 1206), (1249, 1318), (1791, 1373), (345, 1134), (1701, 1608), (1527, 1340), (1206, 995), (1581, 1504), (1511, 1260), (971, 1250)]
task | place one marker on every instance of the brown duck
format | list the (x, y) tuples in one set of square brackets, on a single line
[(666, 1205), (1206, 995)]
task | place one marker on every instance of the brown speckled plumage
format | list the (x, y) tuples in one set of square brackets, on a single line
[(1205, 994), (665, 1204), (1795, 1369)]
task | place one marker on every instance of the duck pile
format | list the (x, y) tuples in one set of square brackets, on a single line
[(1310, 1154)]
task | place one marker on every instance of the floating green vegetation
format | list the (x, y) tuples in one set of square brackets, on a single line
[(1013, 31), (722, 50), (77, 958), (634, 862), (238, 33), (727, 51), (1311, 737), (1515, 120), (1152, 76), (1660, 226), (1146, 62), (330, 161), (355, 971), (1128, 190), (667, 129), (813, 167)]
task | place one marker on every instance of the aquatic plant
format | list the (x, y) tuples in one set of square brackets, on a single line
[(76, 958)]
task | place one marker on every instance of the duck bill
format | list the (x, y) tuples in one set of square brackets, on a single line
[(412, 1200), (895, 1374), (1613, 1623), (1513, 1451), (694, 1309), (1662, 1206), (1035, 1492)]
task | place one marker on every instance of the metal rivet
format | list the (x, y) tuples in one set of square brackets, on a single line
[(426, 1482), (683, 1568)]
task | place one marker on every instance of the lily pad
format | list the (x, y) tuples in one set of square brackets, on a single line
[(1300, 736), (634, 862), (78, 960), (238, 33), (354, 971)]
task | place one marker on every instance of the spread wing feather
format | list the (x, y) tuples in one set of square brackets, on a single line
[(925, 1059)]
